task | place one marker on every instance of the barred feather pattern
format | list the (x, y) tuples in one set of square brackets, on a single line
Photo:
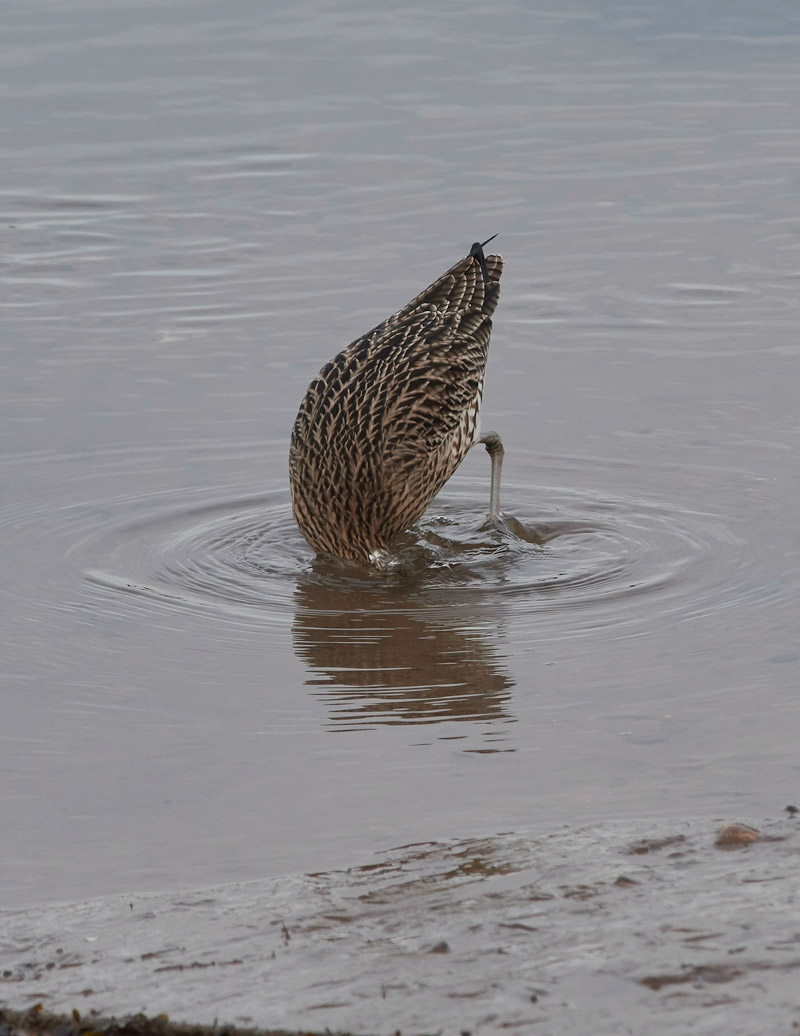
[(385, 423)]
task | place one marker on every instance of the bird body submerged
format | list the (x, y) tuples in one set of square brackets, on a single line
[(386, 422)]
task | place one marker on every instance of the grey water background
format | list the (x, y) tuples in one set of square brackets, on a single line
[(200, 204)]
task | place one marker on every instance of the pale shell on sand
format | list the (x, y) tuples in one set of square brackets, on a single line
[(732, 835)]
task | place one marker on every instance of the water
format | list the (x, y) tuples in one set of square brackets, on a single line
[(199, 206)]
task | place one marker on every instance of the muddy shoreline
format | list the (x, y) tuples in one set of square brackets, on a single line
[(613, 927)]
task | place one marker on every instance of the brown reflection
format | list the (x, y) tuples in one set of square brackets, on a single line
[(391, 655)]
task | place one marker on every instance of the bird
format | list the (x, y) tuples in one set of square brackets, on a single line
[(388, 420)]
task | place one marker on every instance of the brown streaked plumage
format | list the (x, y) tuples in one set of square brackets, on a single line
[(386, 422)]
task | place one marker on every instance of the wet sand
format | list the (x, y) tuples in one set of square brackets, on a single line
[(611, 928)]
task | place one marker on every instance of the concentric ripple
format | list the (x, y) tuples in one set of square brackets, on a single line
[(235, 557), (432, 639), (575, 558)]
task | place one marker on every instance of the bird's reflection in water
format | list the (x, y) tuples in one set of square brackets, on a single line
[(395, 654)]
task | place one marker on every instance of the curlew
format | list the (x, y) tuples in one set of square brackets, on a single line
[(385, 423)]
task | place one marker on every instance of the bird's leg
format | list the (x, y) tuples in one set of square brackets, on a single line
[(494, 447)]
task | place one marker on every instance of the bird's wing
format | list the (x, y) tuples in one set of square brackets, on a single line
[(437, 347), (409, 380), (461, 288)]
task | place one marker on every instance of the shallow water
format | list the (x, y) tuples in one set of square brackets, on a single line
[(199, 207)]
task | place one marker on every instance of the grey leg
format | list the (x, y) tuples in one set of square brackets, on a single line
[(494, 447)]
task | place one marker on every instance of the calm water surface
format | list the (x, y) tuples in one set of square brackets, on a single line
[(200, 204)]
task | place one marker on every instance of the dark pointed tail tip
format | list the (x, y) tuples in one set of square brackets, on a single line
[(476, 252), (477, 249)]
